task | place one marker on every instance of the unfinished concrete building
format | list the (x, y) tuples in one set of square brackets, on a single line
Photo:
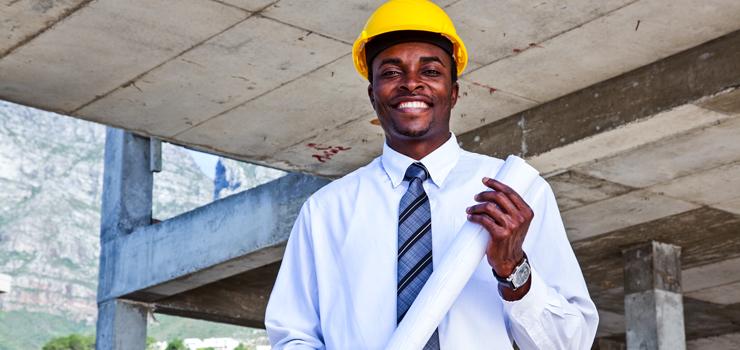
[(630, 108)]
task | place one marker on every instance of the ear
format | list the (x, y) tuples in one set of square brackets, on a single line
[(453, 94), (370, 94)]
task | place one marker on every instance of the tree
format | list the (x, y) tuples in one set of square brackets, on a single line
[(150, 341), (175, 344), (241, 346), (71, 342)]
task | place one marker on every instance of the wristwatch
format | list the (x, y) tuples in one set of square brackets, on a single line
[(517, 278)]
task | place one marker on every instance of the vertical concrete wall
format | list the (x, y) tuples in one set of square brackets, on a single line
[(127, 204), (652, 297)]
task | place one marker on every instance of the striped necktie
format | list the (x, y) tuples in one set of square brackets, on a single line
[(414, 244)]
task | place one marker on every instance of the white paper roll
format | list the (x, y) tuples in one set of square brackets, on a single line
[(455, 268)]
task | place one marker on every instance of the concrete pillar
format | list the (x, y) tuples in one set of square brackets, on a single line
[(121, 327), (127, 204), (127, 184), (653, 302)]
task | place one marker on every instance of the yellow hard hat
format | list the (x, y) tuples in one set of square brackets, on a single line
[(398, 15)]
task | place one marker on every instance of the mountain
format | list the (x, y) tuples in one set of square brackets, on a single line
[(51, 169), (50, 176), (233, 176)]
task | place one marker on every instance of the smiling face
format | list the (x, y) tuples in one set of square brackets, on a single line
[(412, 93)]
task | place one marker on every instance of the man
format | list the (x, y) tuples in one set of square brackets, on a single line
[(364, 245)]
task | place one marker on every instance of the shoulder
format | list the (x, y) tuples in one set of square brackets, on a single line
[(479, 164), (489, 166), (481, 159), (334, 191)]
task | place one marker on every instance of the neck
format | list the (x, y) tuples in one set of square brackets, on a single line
[(417, 149)]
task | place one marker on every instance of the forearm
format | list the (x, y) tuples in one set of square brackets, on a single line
[(544, 319)]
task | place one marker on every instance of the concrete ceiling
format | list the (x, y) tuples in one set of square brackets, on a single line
[(681, 188), (629, 108), (272, 81)]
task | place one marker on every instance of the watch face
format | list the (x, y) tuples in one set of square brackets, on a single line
[(521, 275)]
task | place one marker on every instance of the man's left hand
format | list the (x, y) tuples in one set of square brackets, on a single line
[(506, 217)]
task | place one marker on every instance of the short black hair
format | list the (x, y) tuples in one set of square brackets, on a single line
[(383, 41)]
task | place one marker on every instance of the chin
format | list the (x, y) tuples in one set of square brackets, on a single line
[(414, 130), (414, 133)]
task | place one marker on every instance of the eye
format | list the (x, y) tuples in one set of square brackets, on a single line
[(390, 73), (432, 72)]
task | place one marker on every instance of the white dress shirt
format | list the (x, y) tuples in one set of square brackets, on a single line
[(336, 288)]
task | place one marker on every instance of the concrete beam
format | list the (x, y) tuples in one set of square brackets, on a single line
[(708, 236), (224, 238), (5, 283), (127, 205), (608, 344), (122, 328), (239, 300), (674, 81), (652, 297)]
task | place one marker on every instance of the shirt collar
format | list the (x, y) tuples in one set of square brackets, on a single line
[(439, 163)]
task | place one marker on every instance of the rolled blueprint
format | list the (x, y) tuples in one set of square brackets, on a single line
[(455, 268)]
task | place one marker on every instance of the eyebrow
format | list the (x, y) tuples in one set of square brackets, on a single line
[(427, 59), (390, 61), (423, 59)]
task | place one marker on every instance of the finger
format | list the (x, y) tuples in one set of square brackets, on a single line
[(490, 209), (500, 199), (493, 229), (515, 198)]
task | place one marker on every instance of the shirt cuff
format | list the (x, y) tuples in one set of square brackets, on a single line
[(532, 304)]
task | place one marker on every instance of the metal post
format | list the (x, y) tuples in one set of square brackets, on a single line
[(652, 297), (127, 204)]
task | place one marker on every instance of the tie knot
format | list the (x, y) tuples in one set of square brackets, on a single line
[(416, 171)]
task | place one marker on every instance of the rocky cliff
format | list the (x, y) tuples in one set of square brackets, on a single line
[(50, 184)]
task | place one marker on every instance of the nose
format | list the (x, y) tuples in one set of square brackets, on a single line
[(412, 82)]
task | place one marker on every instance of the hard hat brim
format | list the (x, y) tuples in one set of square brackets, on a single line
[(459, 53)]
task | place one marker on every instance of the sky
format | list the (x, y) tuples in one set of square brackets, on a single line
[(206, 162)]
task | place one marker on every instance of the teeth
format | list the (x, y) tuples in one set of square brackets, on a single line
[(413, 104)]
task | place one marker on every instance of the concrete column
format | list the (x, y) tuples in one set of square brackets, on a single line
[(127, 204), (121, 327), (653, 302), (127, 184)]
